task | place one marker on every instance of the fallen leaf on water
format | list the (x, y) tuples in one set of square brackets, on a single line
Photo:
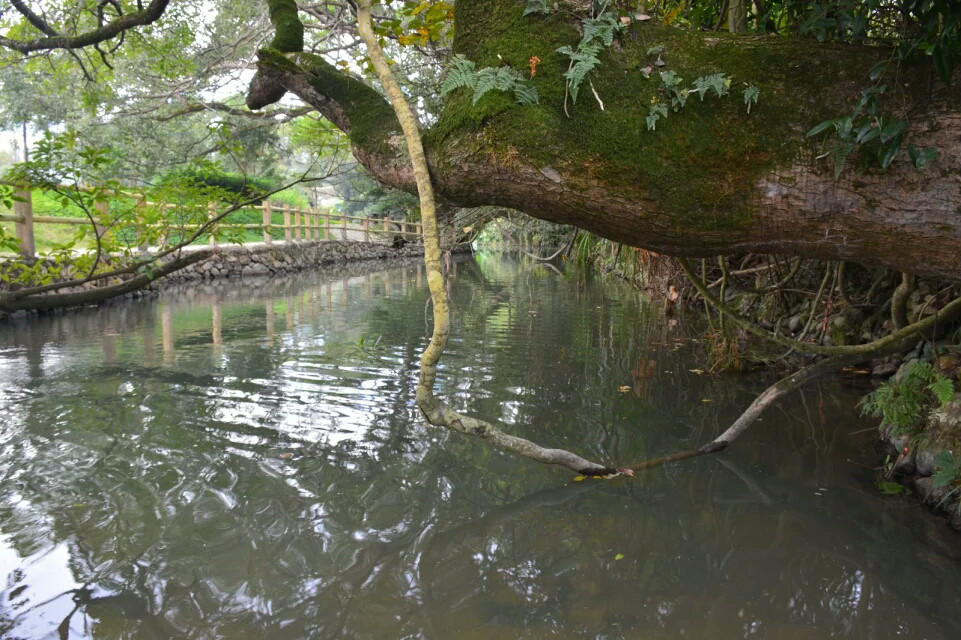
[(619, 556), (705, 399), (579, 478), (286, 456), (624, 389), (699, 372)]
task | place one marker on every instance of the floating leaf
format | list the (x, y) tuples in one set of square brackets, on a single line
[(579, 478), (624, 389), (619, 556), (889, 488)]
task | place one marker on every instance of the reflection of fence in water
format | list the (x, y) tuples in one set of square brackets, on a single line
[(301, 309), (298, 225)]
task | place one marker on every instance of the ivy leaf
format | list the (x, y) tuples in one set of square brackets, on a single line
[(893, 129), (889, 152), (751, 94), (943, 61), (920, 157), (948, 469), (820, 128)]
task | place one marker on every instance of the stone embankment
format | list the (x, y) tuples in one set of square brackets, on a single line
[(253, 260), (234, 261)]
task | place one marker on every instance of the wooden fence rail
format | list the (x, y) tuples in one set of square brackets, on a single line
[(299, 225)]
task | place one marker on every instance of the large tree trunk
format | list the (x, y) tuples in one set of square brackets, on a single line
[(712, 179)]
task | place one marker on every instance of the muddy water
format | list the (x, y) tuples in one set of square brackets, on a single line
[(244, 461)]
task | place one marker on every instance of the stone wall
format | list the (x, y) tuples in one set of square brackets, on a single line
[(234, 261)]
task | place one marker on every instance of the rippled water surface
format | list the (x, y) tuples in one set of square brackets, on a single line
[(244, 461)]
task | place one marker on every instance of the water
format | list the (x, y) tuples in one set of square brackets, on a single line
[(244, 461)]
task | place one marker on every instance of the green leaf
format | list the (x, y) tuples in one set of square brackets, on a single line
[(920, 157), (943, 390), (893, 129), (889, 488), (820, 128), (889, 152), (943, 61)]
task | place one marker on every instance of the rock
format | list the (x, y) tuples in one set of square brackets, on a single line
[(924, 461), (253, 270), (948, 364), (884, 369), (930, 494)]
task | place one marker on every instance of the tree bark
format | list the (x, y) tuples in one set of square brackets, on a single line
[(711, 180)]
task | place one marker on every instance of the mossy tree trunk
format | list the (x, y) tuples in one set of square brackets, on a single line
[(712, 179)]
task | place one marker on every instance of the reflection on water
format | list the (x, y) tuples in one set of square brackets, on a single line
[(244, 461)]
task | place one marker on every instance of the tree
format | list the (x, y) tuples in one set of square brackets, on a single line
[(711, 179)]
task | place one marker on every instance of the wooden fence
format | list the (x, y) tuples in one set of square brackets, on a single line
[(299, 225)]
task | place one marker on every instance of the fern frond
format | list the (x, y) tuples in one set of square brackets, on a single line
[(535, 6), (585, 59), (600, 28), (943, 390), (460, 74), (526, 94), (486, 80)]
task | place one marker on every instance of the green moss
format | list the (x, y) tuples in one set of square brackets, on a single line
[(372, 122), (289, 31), (701, 164)]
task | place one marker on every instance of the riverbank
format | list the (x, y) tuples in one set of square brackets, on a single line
[(916, 404), (259, 260)]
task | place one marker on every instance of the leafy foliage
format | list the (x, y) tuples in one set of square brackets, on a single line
[(904, 400), (597, 34), (948, 469), (535, 6), (751, 94), (867, 129), (464, 74), (676, 93), (583, 60)]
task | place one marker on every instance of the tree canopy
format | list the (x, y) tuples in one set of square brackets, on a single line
[(825, 129)]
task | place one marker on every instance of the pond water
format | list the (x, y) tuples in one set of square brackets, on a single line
[(243, 460)]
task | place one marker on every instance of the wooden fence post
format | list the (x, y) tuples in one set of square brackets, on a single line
[(287, 234), (211, 214), (141, 201), (343, 226), (102, 209), (298, 229), (24, 228), (326, 224), (267, 216), (367, 229)]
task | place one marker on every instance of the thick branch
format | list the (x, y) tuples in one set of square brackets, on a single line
[(711, 180), (151, 14), (44, 301)]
